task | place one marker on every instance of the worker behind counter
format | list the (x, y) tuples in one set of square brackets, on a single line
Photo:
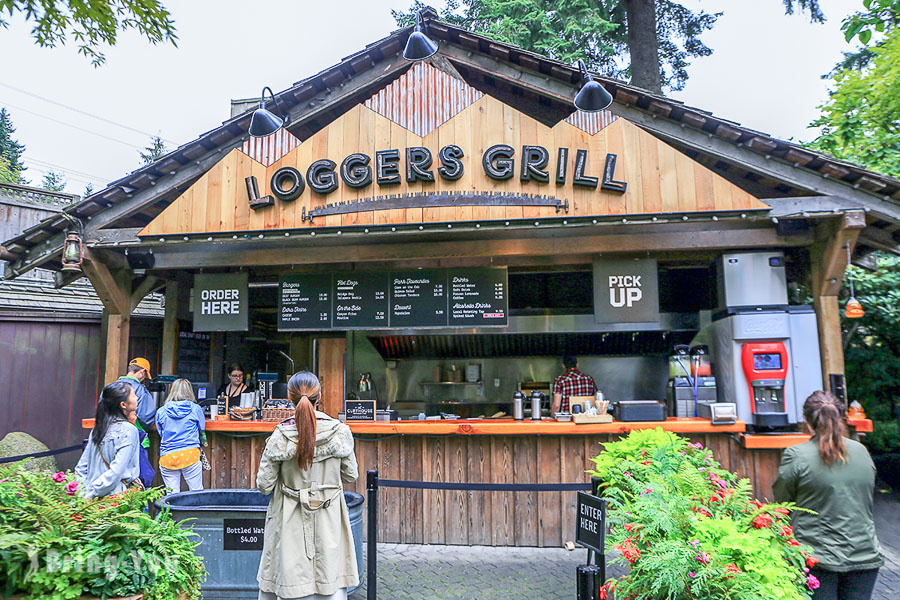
[(235, 385), (572, 383)]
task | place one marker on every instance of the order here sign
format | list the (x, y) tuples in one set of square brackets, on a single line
[(221, 302)]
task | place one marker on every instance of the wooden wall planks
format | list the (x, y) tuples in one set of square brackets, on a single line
[(660, 179), (545, 519)]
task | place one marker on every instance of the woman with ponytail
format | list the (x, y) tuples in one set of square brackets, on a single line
[(835, 477), (110, 461), (308, 550)]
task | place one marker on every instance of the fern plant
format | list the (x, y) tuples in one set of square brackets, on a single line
[(55, 544), (690, 530)]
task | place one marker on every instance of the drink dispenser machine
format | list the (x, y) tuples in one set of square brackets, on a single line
[(766, 361)]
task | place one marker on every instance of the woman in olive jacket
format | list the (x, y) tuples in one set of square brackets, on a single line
[(308, 550), (835, 477)]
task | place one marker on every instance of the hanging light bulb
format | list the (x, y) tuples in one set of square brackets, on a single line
[(854, 309)]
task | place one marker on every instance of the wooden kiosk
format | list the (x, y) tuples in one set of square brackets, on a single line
[(472, 160)]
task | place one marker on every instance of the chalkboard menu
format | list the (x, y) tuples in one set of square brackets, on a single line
[(418, 298), (430, 298), (193, 356), (478, 297), (360, 300), (304, 302)]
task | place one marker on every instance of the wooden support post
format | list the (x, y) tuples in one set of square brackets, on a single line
[(114, 290), (169, 358), (829, 262), (216, 357)]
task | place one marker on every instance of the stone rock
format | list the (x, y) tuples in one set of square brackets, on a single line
[(17, 443)]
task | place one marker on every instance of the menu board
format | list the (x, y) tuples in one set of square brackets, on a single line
[(304, 302), (360, 300), (477, 297), (420, 298)]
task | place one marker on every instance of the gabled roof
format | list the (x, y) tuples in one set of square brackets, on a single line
[(536, 85)]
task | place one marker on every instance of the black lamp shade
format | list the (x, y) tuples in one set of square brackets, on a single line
[(264, 123), (592, 97), (419, 46)]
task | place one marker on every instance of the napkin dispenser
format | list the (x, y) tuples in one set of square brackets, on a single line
[(719, 413)]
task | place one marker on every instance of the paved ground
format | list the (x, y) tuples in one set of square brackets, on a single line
[(418, 572)]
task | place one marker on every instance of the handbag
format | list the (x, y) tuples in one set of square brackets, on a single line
[(204, 461), (134, 484)]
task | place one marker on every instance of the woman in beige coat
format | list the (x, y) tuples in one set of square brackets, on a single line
[(308, 552)]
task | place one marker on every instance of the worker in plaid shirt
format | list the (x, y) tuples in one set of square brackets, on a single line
[(573, 383)]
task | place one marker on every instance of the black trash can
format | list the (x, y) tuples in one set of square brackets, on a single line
[(230, 525)]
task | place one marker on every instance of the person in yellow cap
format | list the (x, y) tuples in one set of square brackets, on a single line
[(138, 372)]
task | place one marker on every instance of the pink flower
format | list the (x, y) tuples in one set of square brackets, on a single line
[(3, 480), (71, 487), (691, 574), (703, 557), (694, 543), (812, 583), (647, 491), (59, 477)]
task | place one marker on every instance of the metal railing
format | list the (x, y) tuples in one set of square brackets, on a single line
[(589, 576)]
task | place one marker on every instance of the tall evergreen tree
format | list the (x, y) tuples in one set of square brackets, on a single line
[(10, 149), (156, 150), (54, 181), (658, 37)]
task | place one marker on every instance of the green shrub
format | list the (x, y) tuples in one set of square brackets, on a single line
[(690, 530), (883, 439), (56, 544)]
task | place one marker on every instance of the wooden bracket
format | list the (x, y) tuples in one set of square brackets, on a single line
[(149, 283), (114, 289), (831, 252)]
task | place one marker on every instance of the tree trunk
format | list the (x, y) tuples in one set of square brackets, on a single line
[(643, 45)]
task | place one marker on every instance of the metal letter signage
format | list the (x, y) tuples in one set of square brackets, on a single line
[(287, 183), (253, 195), (534, 159), (626, 291), (608, 172), (498, 162), (221, 302)]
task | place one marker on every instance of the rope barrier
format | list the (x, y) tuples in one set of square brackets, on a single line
[(485, 487), (40, 454)]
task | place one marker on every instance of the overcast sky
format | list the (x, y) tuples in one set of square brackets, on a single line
[(764, 73)]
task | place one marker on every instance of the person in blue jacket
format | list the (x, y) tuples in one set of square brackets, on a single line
[(138, 371), (181, 426), (148, 473)]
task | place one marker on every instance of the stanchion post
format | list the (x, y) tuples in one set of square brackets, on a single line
[(372, 535)]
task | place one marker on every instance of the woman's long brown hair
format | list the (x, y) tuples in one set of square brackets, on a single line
[(824, 415), (303, 391)]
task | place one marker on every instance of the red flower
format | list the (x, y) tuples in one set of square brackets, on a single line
[(646, 462), (782, 511), (702, 511), (607, 590), (787, 531), (732, 568), (793, 542), (811, 561), (76, 518), (629, 550), (757, 503), (630, 526), (762, 521)]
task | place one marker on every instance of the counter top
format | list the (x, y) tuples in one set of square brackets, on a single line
[(487, 427), (544, 427)]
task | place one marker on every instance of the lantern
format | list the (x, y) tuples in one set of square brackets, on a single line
[(73, 253), (854, 309)]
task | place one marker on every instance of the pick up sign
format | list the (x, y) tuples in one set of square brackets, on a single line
[(626, 291)]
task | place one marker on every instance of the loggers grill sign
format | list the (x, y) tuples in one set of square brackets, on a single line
[(324, 176)]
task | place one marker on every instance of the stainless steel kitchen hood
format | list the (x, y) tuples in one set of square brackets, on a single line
[(540, 336)]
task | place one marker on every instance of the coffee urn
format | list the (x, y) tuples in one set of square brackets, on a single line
[(518, 406), (536, 398)]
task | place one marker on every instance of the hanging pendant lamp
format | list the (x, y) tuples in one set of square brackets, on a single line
[(854, 309), (263, 122), (419, 46), (592, 96)]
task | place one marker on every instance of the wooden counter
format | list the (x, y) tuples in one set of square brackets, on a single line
[(486, 451)]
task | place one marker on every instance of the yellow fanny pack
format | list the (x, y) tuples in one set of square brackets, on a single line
[(180, 459)]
